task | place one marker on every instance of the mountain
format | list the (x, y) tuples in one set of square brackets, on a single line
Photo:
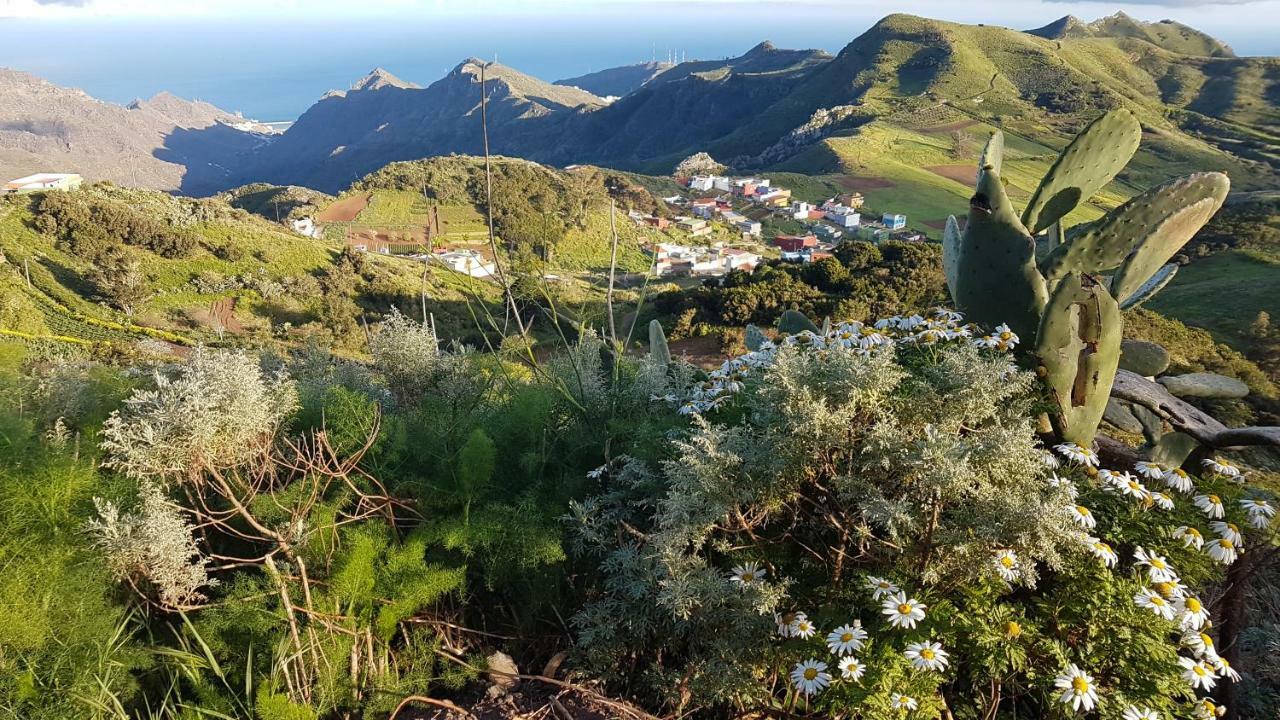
[(1166, 34), (618, 81), (164, 143)]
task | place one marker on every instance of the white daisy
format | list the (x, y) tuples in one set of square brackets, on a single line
[(810, 676), (600, 471), (1006, 339), (926, 655), (1201, 644), (1081, 515), (1189, 536), (1179, 480), (1006, 563), (1211, 505), (1260, 512), (1077, 687), (1192, 613), (1133, 712), (1130, 487), (903, 612), (880, 587), (851, 668), (898, 701), (747, 574), (1170, 590), (1154, 602), (1221, 467), (1205, 709), (1199, 675), (1162, 500), (802, 627), (1224, 669), (1150, 470), (1078, 454), (1222, 550), (846, 639), (1061, 483), (1051, 461), (1102, 551), (1228, 530), (1158, 569), (784, 624)]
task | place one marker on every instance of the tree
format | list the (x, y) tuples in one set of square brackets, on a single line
[(119, 278)]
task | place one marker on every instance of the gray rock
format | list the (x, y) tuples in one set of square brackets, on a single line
[(501, 667), (1204, 385), (1145, 358), (1119, 414), (1152, 424)]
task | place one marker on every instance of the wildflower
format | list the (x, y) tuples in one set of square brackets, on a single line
[(1150, 470), (1224, 669), (1179, 480), (1211, 505), (851, 668), (1221, 467), (1229, 531), (1081, 515), (1006, 338), (1170, 590), (1051, 461), (802, 627), (1012, 629), (747, 574), (903, 612), (810, 676), (1162, 500), (1158, 569), (1197, 674), (1223, 550), (1200, 643), (1077, 689), (1130, 487), (600, 471), (847, 639), (1078, 454), (880, 587), (1154, 602), (1189, 536), (1006, 562), (1133, 712), (926, 656), (1102, 551), (898, 701), (1191, 612), (1205, 709), (1260, 512), (784, 623)]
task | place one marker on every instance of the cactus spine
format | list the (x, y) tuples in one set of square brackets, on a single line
[(1062, 302)]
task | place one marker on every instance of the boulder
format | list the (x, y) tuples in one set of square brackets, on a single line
[(1144, 358), (1119, 414), (501, 667), (1204, 385)]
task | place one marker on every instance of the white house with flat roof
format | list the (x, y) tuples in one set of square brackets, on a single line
[(467, 262), (42, 181)]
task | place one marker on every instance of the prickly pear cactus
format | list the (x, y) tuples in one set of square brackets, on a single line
[(996, 279), (1149, 288), (659, 352), (754, 338), (1079, 348), (794, 321), (993, 153), (1091, 160), (951, 243)]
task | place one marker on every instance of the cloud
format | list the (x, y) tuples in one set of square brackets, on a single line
[(1174, 3)]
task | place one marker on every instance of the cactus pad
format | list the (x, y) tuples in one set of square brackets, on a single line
[(794, 321), (1079, 347), (951, 240), (1149, 288), (1188, 204), (659, 352), (993, 153), (1091, 160), (996, 279), (754, 338)]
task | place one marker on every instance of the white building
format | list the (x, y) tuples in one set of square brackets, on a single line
[(800, 210), (306, 226), (844, 216), (723, 184), (681, 259), (42, 181), (467, 262), (702, 183)]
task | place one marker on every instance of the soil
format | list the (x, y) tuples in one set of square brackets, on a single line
[(951, 127), (966, 174), (703, 351), (862, 184), (526, 701), (942, 224), (345, 210)]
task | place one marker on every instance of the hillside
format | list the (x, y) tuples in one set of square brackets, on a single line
[(1166, 34), (165, 143), (618, 81)]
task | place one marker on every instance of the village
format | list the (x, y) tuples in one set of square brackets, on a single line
[(740, 207)]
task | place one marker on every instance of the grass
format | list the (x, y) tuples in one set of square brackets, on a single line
[(1223, 294)]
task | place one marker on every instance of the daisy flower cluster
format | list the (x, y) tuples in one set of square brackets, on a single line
[(1165, 595), (939, 326)]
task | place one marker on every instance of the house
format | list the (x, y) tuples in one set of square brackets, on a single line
[(723, 184), (749, 227), (704, 207), (691, 224), (702, 183), (467, 262), (894, 222), (657, 222), (800, 210), (306, 226), (737, 259), (775, 197), (672, 259), (852, 199), (843, 216), (873, 233), (795, 243), (827, 233), (42, 181)]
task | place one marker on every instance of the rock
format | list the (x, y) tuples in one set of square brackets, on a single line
[(501, 667), (1119, 414), (1145, 358), (1152, 424), (1204, 385)]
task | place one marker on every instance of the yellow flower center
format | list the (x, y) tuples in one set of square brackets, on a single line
[(927, 654), (1198, 670), (1006, 335), (1214, 500), (1260, 503), (904, 609), (1208, 641), (1012, 629), (1082, 510), (1179, 472), (1164, 588), (1157, 601), (810, 673), (1080, 685), (1157, 563), (1193, 532), (748, 577), (1090, 470), (1193, 605), (1006, 561), (846, 637), (1233, 527), (1225, 544)]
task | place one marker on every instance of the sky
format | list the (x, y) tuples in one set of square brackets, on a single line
[(271, 59)]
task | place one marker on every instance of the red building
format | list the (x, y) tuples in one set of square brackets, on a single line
[(795, 243)]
